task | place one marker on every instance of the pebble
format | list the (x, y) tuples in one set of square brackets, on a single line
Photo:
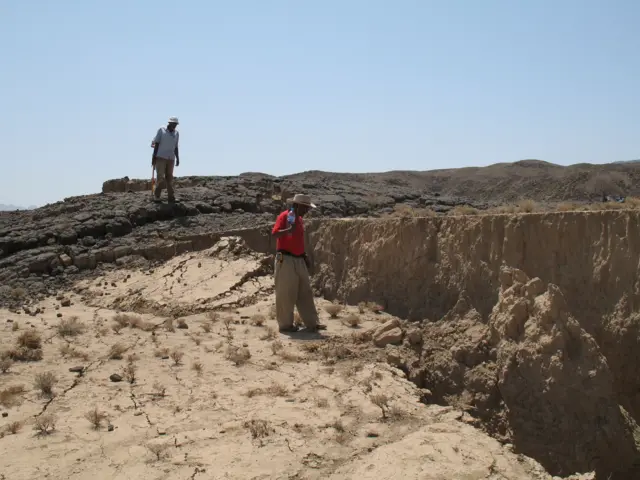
[(5, 414), (115, 378), (110, 428), (58, 315), (78, 369)]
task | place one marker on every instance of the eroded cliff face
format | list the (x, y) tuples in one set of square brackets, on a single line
[(546, 359)]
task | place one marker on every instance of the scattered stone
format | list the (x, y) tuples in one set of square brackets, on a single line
[(115, 377), (65, 302), (58, 315), (5, 414), (388, 337), (110, 428), (78, 369)]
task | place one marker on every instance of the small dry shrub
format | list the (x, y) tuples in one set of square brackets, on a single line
[(206, 327), (45, 424), (24, 354), (337, 425), (322, 402), (276, 346), (353, 321), (258, 320), (407, 211), (30, 339), (96, 418), (290, 355), (182, 323), (258, 428), (116, 327), (176, 355), (382, 401), (197, 367), (334, 352), (158, 449), (311, 347), (277, 390), (15, 327), (159, 390), (361, 337), (463, 210), (147, 326), (213, 317), (270, 334), (132, 357), (70, 327), (333, 310), (14, 427), (362, 307), (9, 394), (116, 351), (67, 350), (272, 312), (123, 319), (45, 382), (5, 365), (129, 372), (238, 355)]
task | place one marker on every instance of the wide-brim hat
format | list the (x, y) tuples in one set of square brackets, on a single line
[(173, 120), (302, 199)]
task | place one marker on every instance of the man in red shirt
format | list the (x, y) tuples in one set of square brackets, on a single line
[(293, 287)]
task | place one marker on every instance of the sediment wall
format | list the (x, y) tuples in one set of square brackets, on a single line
[(417, 267)]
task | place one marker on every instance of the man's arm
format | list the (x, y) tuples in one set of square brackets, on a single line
[(280, 228), (177, 156), (156, 145)]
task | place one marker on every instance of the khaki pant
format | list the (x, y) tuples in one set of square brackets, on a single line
[(293, 288), (164, 173)]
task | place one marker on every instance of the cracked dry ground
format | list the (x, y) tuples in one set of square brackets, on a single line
[(227, 397)]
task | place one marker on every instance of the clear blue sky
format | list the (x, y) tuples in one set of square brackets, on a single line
[(281, 86)]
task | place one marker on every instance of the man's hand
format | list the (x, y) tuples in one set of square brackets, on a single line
[(177, 162)]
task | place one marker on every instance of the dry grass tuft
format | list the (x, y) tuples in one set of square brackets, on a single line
[(15, 327), (30, 339), (527, 206), (276, 346), (270, 334), (14, 427), (361, 337), (311, 347), (213, 317), (129, 372), (197, 367), (258, 320), (333, 310), (45, 424), (168, 325), (45, 382), (206, 327), (272, 312), (71, 327), (322, 402), (463, 210), (567, 207), (9, 394), (352, 321), (162, 352), (176, 355), (290, 355), (116, 351), (96, 418), (407, 211)]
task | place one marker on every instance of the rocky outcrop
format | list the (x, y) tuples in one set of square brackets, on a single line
[(531, 375)]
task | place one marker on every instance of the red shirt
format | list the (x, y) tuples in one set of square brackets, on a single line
[(290, 242)]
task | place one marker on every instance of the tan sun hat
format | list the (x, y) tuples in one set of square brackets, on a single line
[(302, 199), (173, 120)]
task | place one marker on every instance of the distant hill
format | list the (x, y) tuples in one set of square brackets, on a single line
[(11, 208)]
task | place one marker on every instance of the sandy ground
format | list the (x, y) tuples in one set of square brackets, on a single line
[(227, 397)]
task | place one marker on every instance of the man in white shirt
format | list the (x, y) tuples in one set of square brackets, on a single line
[(165, 157)]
